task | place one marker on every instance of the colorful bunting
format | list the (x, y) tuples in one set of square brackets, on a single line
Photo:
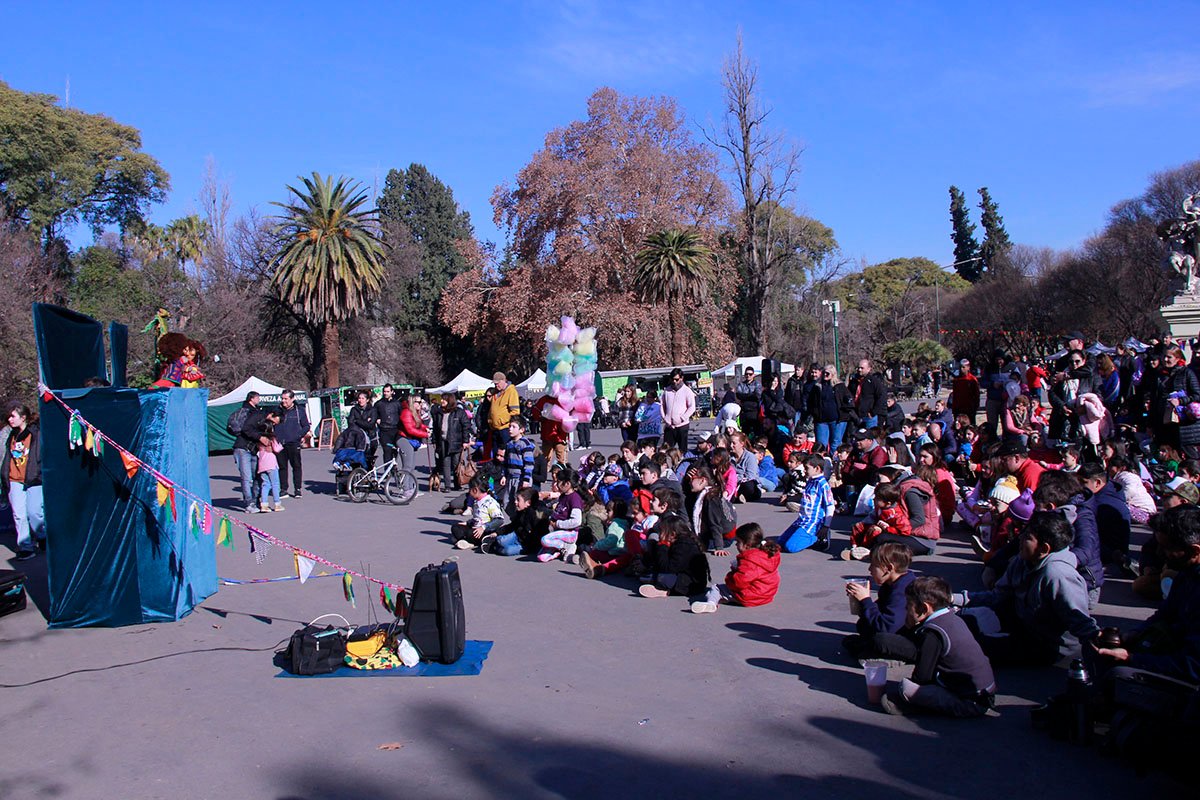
[(304, 567), (131, 463), (386, 600), (81, 434), (225, 532)]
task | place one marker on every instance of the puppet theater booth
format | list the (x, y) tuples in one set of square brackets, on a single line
[(114, 555)]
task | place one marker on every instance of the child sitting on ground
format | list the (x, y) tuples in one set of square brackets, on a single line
[(487, 517), (616, 523), (815, 511), (952, 675), (597, 563), (754, 577), (792, 484), (712, 516), (678, 564), (522, 535), (890, 516), (565, 520), (880, 621), (591, 472), (769, 475), (799, 443)]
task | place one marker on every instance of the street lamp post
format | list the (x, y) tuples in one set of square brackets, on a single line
[(937, 290), (835, 306)]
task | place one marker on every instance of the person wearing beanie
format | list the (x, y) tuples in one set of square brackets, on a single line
[(1006, 528)]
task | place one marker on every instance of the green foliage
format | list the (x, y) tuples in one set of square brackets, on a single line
[(916, 353), (59, 166), (996, 243), (881, 286), (966, 247), (105, 289), (432, 223), (330, 262)]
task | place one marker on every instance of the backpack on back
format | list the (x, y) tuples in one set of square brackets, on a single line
[(237, 421)]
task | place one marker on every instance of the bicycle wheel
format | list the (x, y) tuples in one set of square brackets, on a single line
[(358, 484), (400, 487)]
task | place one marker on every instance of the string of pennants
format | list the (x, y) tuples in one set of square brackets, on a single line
[(971, 331), (204, 520)]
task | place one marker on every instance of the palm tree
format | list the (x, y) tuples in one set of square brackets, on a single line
[(330, 264), (185, 238), (674, 267)]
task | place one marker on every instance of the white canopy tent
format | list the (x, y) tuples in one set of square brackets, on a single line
[(738, 365), (533, 386), (465, 381), (251, 384)]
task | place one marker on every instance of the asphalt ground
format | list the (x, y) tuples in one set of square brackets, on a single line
[(589, 691)]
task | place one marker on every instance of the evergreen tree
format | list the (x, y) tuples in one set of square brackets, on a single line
[(996, 243), (963, 235), (436, 227)]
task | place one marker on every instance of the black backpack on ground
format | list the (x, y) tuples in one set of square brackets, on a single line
[(436, 621), (314, 650), (12, 591)]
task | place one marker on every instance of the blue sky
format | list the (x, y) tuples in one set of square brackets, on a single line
[(1060, 109)]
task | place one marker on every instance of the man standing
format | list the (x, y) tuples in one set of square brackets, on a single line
[(505, 405), (253, 433), (793, 393), (749, 397), (678, 407), (387, 417), (292, 430), (870, 398), (964, 392), (554, 436), (245, 451)]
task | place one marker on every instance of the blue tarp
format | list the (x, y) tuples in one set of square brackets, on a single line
[(114, 556), (70, 346)]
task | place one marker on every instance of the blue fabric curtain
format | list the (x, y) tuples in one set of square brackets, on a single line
[(118, 347), (114, 557), (70, 346)]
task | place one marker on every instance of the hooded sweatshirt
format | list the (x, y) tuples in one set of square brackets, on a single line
[(755, 579), (1049, 598)]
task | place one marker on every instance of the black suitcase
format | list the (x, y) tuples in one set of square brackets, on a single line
[(436, 622), (12, 591)]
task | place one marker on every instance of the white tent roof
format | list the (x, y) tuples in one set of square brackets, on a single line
[(533, 385), (238, 395), (465, 381), (740, 364)]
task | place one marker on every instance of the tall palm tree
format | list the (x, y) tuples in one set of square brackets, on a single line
[(185, 238), (330, 265), (674, 267)]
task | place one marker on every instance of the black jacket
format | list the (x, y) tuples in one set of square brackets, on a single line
[(33, 460), (1177, 379), (823, 402), (775, 408), (895, 418), (686, 561), (363, 419), (458, 429), (254, 428), (387, 414), (872, 397), (795, 393)]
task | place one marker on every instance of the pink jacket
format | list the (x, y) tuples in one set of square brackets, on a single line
[(266, 456), (1094, 417), (678, 406)]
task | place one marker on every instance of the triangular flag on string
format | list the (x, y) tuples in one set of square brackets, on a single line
[(171, 497), (74, 432), (385, 599), (89, 440), (206, 522), (162, 493), (225, 532), (348, 588), (260, 553), (304, 567), (98, 445), (194, 515), (47, 395), (131, 463)]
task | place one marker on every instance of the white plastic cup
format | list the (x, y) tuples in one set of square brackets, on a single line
[(876, 673), (855, 604)]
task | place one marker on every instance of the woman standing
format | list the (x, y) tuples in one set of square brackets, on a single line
[(827, 416), (1177, 387), (627, 407), (21, 472), (451, 434)]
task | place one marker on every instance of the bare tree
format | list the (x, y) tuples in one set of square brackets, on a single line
[(215, 204), (765, 166)]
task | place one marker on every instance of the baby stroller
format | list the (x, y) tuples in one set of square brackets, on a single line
[(349, 453)]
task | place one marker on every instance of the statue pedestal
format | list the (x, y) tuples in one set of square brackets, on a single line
[(1183, 317)]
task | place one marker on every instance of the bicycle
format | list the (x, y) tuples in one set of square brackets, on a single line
[(398, 486)]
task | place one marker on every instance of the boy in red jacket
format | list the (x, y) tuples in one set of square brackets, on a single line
[(754, 578)]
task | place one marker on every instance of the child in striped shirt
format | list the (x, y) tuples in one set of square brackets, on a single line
[(811, 528)]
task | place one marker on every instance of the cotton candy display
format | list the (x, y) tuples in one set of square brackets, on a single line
[(571, 363)]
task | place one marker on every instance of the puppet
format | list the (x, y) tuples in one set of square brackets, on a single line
[(180, 357)]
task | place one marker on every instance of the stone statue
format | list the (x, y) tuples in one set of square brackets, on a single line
[(1183, 235)]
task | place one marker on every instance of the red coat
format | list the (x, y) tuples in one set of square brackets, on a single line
[(964, 394), (552, 430), (755, 579), (1028, 475), (410, 426)]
